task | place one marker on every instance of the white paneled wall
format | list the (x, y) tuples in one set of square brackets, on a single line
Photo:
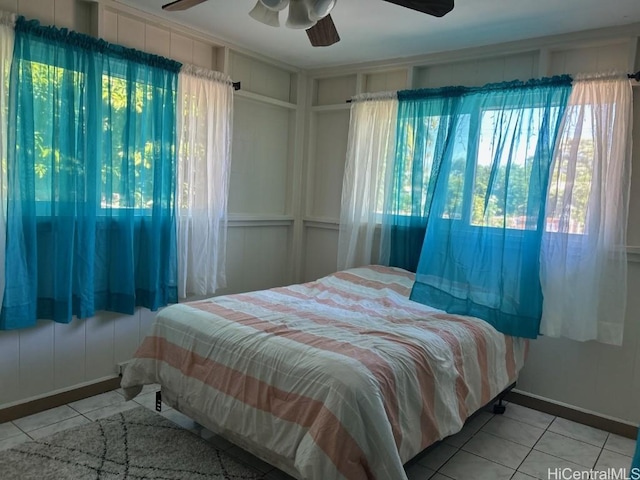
[(321, 249), (136, 32), (257, 257), (328, 167), (478, 72), (63, 13), (385, 81), (263, 78), (334, 90), (327, 150), (260, 169), (54, 357), (589, 376), (614, 56)]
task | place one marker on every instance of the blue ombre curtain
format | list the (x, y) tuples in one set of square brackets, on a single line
[(91, 178), (486, 196), (426, 129)]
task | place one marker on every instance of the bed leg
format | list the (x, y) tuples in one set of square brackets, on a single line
[(158, 401), (499, 408)]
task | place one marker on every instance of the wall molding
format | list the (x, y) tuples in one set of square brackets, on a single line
[(323, 223), (239, 220), (633, 254), (256, 97)]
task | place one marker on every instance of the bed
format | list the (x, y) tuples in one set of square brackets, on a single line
[(341, 378)]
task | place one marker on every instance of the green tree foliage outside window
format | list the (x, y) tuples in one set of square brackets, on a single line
[(479, 202), (118, 174)]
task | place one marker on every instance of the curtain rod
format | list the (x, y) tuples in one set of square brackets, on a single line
[(632, 76), (237, 85)]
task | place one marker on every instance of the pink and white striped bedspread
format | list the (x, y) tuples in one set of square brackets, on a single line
[(341, 378)]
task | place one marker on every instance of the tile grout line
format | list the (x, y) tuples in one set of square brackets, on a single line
[(518, 443), (598, 458), (532, 448), (21, 431), (69, 405), (516, 470), (460, 449), (565, 436), (505, 440)]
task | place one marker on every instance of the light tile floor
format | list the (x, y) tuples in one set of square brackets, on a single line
[(522, 444)]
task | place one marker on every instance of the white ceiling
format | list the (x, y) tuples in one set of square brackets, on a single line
[(377, 30)]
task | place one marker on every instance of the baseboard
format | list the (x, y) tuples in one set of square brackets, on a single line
[(570, 413), (520, 398), (38, 405)]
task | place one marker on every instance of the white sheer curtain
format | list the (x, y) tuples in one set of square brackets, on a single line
[(583, 257), (370, 147), (204, 146), (7, 34)]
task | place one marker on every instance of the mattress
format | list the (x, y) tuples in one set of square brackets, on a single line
[(341, 378)]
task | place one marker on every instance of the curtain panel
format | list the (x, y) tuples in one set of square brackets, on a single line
[(481, 250), (371, 142), (91, 178), (583, 257), (426, 129), (205, 107)]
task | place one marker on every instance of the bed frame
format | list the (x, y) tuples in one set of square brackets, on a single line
[(498, 408)]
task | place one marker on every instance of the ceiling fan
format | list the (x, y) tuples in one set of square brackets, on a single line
[(314, 15)]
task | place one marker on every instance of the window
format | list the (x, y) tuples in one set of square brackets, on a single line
[(126, 173), (490, 173)]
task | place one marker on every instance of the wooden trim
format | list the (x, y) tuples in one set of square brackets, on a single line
[(323, 223), (562, 411), (41, 404), (256, 97)]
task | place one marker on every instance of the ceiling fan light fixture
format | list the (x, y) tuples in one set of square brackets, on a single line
[(318, 9), (299, 15), (265, 15), (275, 5)]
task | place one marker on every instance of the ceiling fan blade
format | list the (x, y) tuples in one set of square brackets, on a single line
[(323, 33), (181, 5), (437, 8)]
